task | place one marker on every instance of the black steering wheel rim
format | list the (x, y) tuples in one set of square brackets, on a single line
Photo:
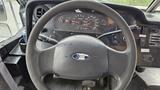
[(33, 52)]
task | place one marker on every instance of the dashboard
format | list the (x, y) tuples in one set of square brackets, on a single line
[(93, 23), (88, 22), (82, 20)]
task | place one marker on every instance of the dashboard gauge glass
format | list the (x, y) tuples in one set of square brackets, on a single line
[(83, 22)]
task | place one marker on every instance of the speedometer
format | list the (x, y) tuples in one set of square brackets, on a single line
[(90, 22), (83, 22)]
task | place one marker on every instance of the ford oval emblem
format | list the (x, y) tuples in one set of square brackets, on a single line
[(80, 56)]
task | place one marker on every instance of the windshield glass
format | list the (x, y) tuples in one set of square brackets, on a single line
[(142, 4)]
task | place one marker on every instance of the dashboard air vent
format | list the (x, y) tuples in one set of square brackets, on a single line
[(154, 40), (39, 11)]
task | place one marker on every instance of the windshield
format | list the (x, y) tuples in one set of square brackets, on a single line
[(142, 4)]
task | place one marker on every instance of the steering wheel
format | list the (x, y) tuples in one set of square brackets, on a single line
[(81, 57)]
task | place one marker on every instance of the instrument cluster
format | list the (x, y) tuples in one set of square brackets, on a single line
[(83, 22)]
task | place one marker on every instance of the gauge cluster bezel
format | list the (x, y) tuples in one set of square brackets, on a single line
[(82, 22)]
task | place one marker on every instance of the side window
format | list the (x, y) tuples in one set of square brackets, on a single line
[(4, 28), (158, 9), (3, 16), (10, 22)]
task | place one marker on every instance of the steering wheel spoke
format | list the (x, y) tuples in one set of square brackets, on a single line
[(40, 65), (119, 65), (118, 61), (46, 59)]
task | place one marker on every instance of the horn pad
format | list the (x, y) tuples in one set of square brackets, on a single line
[(80, 57)]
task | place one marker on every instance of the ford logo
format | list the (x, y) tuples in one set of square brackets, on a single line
[(80, 56)]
